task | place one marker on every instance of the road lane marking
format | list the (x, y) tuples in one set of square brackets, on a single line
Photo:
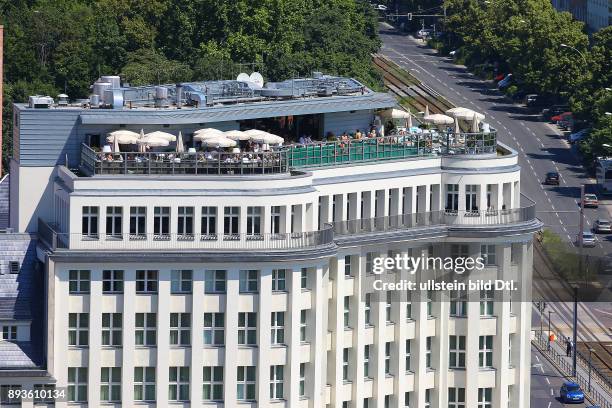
[(549, 403), (537, 358), (547, 380), (552, 392)]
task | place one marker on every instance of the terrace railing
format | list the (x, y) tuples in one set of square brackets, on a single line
[(283, 159)]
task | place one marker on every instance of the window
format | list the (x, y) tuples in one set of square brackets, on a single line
[(430, 297), (161, 221), (458, 303), (388, 358), (77, 384), (303, 324), (485, 353), (231, 220), (212, 388), (181, 281), (452, 197), (9, 332), (254, 220), (146, 329), (366, 403), (304, 278), (427, 398), (138, 222), (471, 192), (408, 344), (346, 404), (278, 279), (276, 382), (112, 281), (214, 329), (369, 263), (366, 361), (114, 221), (388, 307), (209, 222), (78, 329), (4, 394), (428, 352), (275, 219), (408, 310), (347, 311), (110, 384), (485, 398), (89, 223), (368, 309), (347, 266), (387, 401), (146, 281), (144, 383), (247, 328), (457, 352), (302, 385), (345, 363), (510, 338), (14, 267), (246, 383), (215, 281), (277, 322), (488, 253), (178, 385), (248, 281), (456, 398), (486, 302), (79, 281), (180, 329), (407, 400), (185, 221), (111, 329)]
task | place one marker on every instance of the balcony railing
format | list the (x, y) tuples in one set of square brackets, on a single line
[(285, 158), (435, 218), (214, 242)]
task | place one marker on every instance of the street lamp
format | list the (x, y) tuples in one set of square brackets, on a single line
[(575, 49), (590, 352), (608, 113)]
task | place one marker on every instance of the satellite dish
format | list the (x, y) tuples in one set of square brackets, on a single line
[(257, 79), (242, 77)]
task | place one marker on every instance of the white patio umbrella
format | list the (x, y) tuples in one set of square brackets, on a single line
[(153, 141), (397, 113), (208, 131), (269, 138), (438, 119), (426, 110), (116, 144), (203, 136), (475, 128), (236, 135), (464, 114), (179, 143), (122, 136), (142, 148), (219, 142), (457, 128), (162, 135), (409, 121)]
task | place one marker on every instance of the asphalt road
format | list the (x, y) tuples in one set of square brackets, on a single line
[(541, 147), (545, 383)]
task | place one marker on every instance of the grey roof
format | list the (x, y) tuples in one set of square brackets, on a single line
[(248, 110), (19, 355), (4, 202)]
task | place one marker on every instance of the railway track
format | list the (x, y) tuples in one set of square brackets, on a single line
[(601, 357), (411, 93)]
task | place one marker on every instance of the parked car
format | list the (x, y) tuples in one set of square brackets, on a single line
[(588, 239), (560, 117), (499, 77), (424, 33), (554, 110), (577, 136), (602, 226), (505, 82), (590, 201), (379, 7), (552, 178), (571, 392)]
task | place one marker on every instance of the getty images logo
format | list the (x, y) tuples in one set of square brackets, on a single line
[(459, 265)]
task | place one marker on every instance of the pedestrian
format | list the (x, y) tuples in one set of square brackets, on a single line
[(569, 347)]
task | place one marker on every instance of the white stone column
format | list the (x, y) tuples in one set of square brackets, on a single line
[(95, 337), (523, 334), (163, 336), (501, 344), (292, 328), (419, 345), (472, 349), (197, 338), (336, 325), (368, 204), (263, 336), (398, 352), (231, 337), (127, 352), (319, 342), (377, 350)]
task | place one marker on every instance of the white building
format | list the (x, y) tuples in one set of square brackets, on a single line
[(216, 282)]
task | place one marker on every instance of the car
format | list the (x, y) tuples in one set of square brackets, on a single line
[(380, 7), (571, 392), (590, 200), (554, 110), (499, 77), (588, 239), (552, 178), (579, 135), (424, 33), (453, 53), (505, 82), (560, 117), (602, 226)]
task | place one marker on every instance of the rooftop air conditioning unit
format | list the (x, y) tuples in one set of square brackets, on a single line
[(40, 102)]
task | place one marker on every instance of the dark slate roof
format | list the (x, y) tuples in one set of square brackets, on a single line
[(19, 355), (4, 202)]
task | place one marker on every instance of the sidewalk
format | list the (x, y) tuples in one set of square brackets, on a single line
[(601, 395)]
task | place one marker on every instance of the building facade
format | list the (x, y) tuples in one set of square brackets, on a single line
[(219, 283), (597, 14)]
